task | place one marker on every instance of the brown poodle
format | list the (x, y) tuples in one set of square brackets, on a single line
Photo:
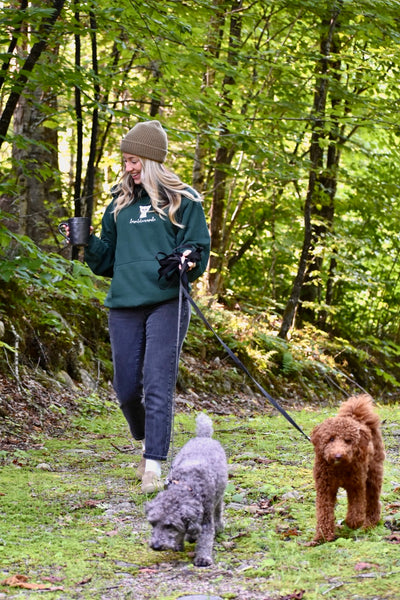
[(349, 453)]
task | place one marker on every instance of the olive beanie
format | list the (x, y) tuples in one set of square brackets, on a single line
[(147, 140)]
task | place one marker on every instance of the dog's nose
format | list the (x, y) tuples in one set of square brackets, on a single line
[(155, 546)]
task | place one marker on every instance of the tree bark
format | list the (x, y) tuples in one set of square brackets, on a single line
[(79, 128), (29, 64), (223, 160), (37, 180), (88, 190), (13, 44), (308, 264), (212, 50)]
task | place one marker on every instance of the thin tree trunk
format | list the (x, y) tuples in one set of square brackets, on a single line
[(223, 159), (39, 193), (27, 68), (13, 44), (316, 159), (212, 49), (79, 128), (88, 191), (155, 103)]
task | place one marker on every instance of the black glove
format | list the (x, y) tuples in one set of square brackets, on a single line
[(172, 267)]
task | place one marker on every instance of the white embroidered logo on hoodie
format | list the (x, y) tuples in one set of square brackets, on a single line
[(143, 211), (143, 217)]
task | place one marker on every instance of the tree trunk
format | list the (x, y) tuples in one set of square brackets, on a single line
[(28, 66), (37, 172), (12, 46), (79, 128), (88, 190), (212, 49), (309, 265), (223, 160)]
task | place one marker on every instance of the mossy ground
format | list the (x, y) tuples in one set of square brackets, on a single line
[(71, 517)]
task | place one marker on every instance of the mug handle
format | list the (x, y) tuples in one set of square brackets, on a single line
[(61, 229)]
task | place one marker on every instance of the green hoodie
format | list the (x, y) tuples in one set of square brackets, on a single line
[(128, 247)]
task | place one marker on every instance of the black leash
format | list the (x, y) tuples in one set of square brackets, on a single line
[(171, 269)]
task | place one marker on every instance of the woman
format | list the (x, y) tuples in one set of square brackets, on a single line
[(151, 212)]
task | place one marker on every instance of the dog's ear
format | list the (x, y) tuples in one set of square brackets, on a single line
[(192, 517), (193, 528), (364, 445), (148, 508), (315, 435)]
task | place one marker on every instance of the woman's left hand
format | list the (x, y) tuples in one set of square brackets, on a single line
[(190, 265)]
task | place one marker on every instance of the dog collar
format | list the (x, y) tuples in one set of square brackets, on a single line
[(184, 485)]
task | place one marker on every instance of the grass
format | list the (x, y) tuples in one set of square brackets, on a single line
[(71, 517)]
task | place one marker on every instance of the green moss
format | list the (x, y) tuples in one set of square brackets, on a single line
[(83, 520)]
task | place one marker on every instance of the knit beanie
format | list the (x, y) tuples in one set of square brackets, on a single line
[(147, 140)]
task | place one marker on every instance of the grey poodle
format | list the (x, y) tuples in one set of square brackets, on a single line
[(191, 507)]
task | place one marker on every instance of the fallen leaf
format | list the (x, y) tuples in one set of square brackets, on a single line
[(252, 508), (288, 532), (393, 507), (361, 566), (87, 504), (147, 570), (228, 545), (263, 461), (53, 579), (91, 503), (239, 535), (263, 507), (14, 579), (22, 582), (294, 596)]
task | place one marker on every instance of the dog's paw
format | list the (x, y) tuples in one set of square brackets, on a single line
[(371, 520), (203, 561), (354, 522), (321, 538)]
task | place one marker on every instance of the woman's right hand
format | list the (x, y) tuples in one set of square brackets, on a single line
[(67, 232)]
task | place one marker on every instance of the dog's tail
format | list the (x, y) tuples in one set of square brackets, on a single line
[(361, 409), (204, 427)]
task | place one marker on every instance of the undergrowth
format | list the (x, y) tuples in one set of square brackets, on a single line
[(72, 517), (52, 320)]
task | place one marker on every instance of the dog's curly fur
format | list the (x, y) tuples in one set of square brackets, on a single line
[(192, 505), (349, 454)]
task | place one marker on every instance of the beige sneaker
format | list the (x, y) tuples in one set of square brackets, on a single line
[(151, 482), (140, 469)]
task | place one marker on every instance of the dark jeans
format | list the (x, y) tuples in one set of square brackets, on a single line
[(144, 348)]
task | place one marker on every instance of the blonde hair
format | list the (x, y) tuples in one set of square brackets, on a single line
[(162, 185)]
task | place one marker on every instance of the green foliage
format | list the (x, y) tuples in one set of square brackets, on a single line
[(177, 61), (51, 304), (312, 364), (94, 406), (30, 268)]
